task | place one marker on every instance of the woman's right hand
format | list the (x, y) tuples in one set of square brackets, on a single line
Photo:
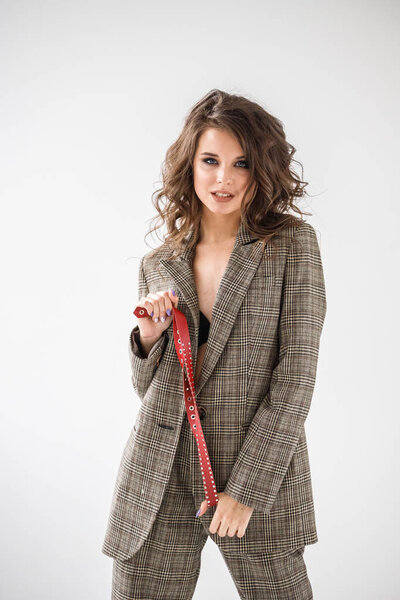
[(160, 304)]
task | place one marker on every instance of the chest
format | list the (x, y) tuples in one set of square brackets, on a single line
[(209, 265)]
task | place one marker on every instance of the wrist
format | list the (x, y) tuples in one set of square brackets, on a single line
[(147, 342)]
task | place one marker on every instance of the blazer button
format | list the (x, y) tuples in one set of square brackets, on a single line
[(202, 412)]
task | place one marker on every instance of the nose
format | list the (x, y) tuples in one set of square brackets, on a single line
[(223, 175)]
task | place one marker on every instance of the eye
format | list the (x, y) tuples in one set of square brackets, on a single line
[(244, 163), (246, 166)]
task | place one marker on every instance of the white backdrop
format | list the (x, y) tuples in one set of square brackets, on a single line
[(92, 95)]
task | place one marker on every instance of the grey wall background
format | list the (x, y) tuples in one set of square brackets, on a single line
[(92, 94)]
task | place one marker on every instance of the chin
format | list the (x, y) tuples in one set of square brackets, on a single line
[(222, 207)]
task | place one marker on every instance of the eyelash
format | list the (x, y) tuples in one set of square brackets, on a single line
[(242, 161)]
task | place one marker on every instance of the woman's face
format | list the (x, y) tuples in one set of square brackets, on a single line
[(219, 164)]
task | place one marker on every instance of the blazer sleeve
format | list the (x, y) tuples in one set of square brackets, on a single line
[(274, 432), (143, 369)]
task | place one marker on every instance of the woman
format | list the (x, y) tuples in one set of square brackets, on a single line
[(249, 275)]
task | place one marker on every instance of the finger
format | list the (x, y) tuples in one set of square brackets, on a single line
[(156, 306), (161, 306), (222, 529), (168, 304), (174, 298), (144, 302), (232, 531), (215, 523), (203, 508)]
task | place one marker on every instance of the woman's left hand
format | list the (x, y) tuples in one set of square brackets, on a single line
[(230, 518)]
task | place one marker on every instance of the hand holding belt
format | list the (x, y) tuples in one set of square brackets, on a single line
[(183, 350)]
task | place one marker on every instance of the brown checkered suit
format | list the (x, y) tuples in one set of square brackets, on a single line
[(255, 387)]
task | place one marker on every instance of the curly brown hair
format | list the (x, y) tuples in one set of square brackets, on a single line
[(270, 159)]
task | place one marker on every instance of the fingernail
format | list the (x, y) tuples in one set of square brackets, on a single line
[(152, 313), (162, 319), (156, 320), (169, 312), (173, 291), (198, 512)]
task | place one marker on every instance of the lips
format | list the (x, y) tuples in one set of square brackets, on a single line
[(224, 197), (222, 192), (221, 199)]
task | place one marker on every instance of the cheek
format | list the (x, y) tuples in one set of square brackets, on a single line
[(242, 185), (201, 178)]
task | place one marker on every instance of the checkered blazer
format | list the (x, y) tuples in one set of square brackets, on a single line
[(258, 375)]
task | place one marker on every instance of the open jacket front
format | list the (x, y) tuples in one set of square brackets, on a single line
[(258, 377)]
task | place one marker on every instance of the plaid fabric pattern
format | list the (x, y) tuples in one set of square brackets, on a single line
[(256, 386), (167, 565)]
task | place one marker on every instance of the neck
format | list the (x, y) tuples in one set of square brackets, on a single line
[(218, 229)]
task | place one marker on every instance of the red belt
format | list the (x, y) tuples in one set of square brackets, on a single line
[(183, 350)]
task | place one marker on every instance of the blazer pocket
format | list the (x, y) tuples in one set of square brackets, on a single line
[(261, 283), (165, 426), (266, 272), (258, 275)]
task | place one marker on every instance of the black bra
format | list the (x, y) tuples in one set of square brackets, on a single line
[(203, 329)]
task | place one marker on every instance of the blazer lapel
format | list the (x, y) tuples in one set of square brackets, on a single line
[(242, 265), (181, 271)]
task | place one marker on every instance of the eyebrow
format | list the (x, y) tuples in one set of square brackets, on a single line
[(211, 154)]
